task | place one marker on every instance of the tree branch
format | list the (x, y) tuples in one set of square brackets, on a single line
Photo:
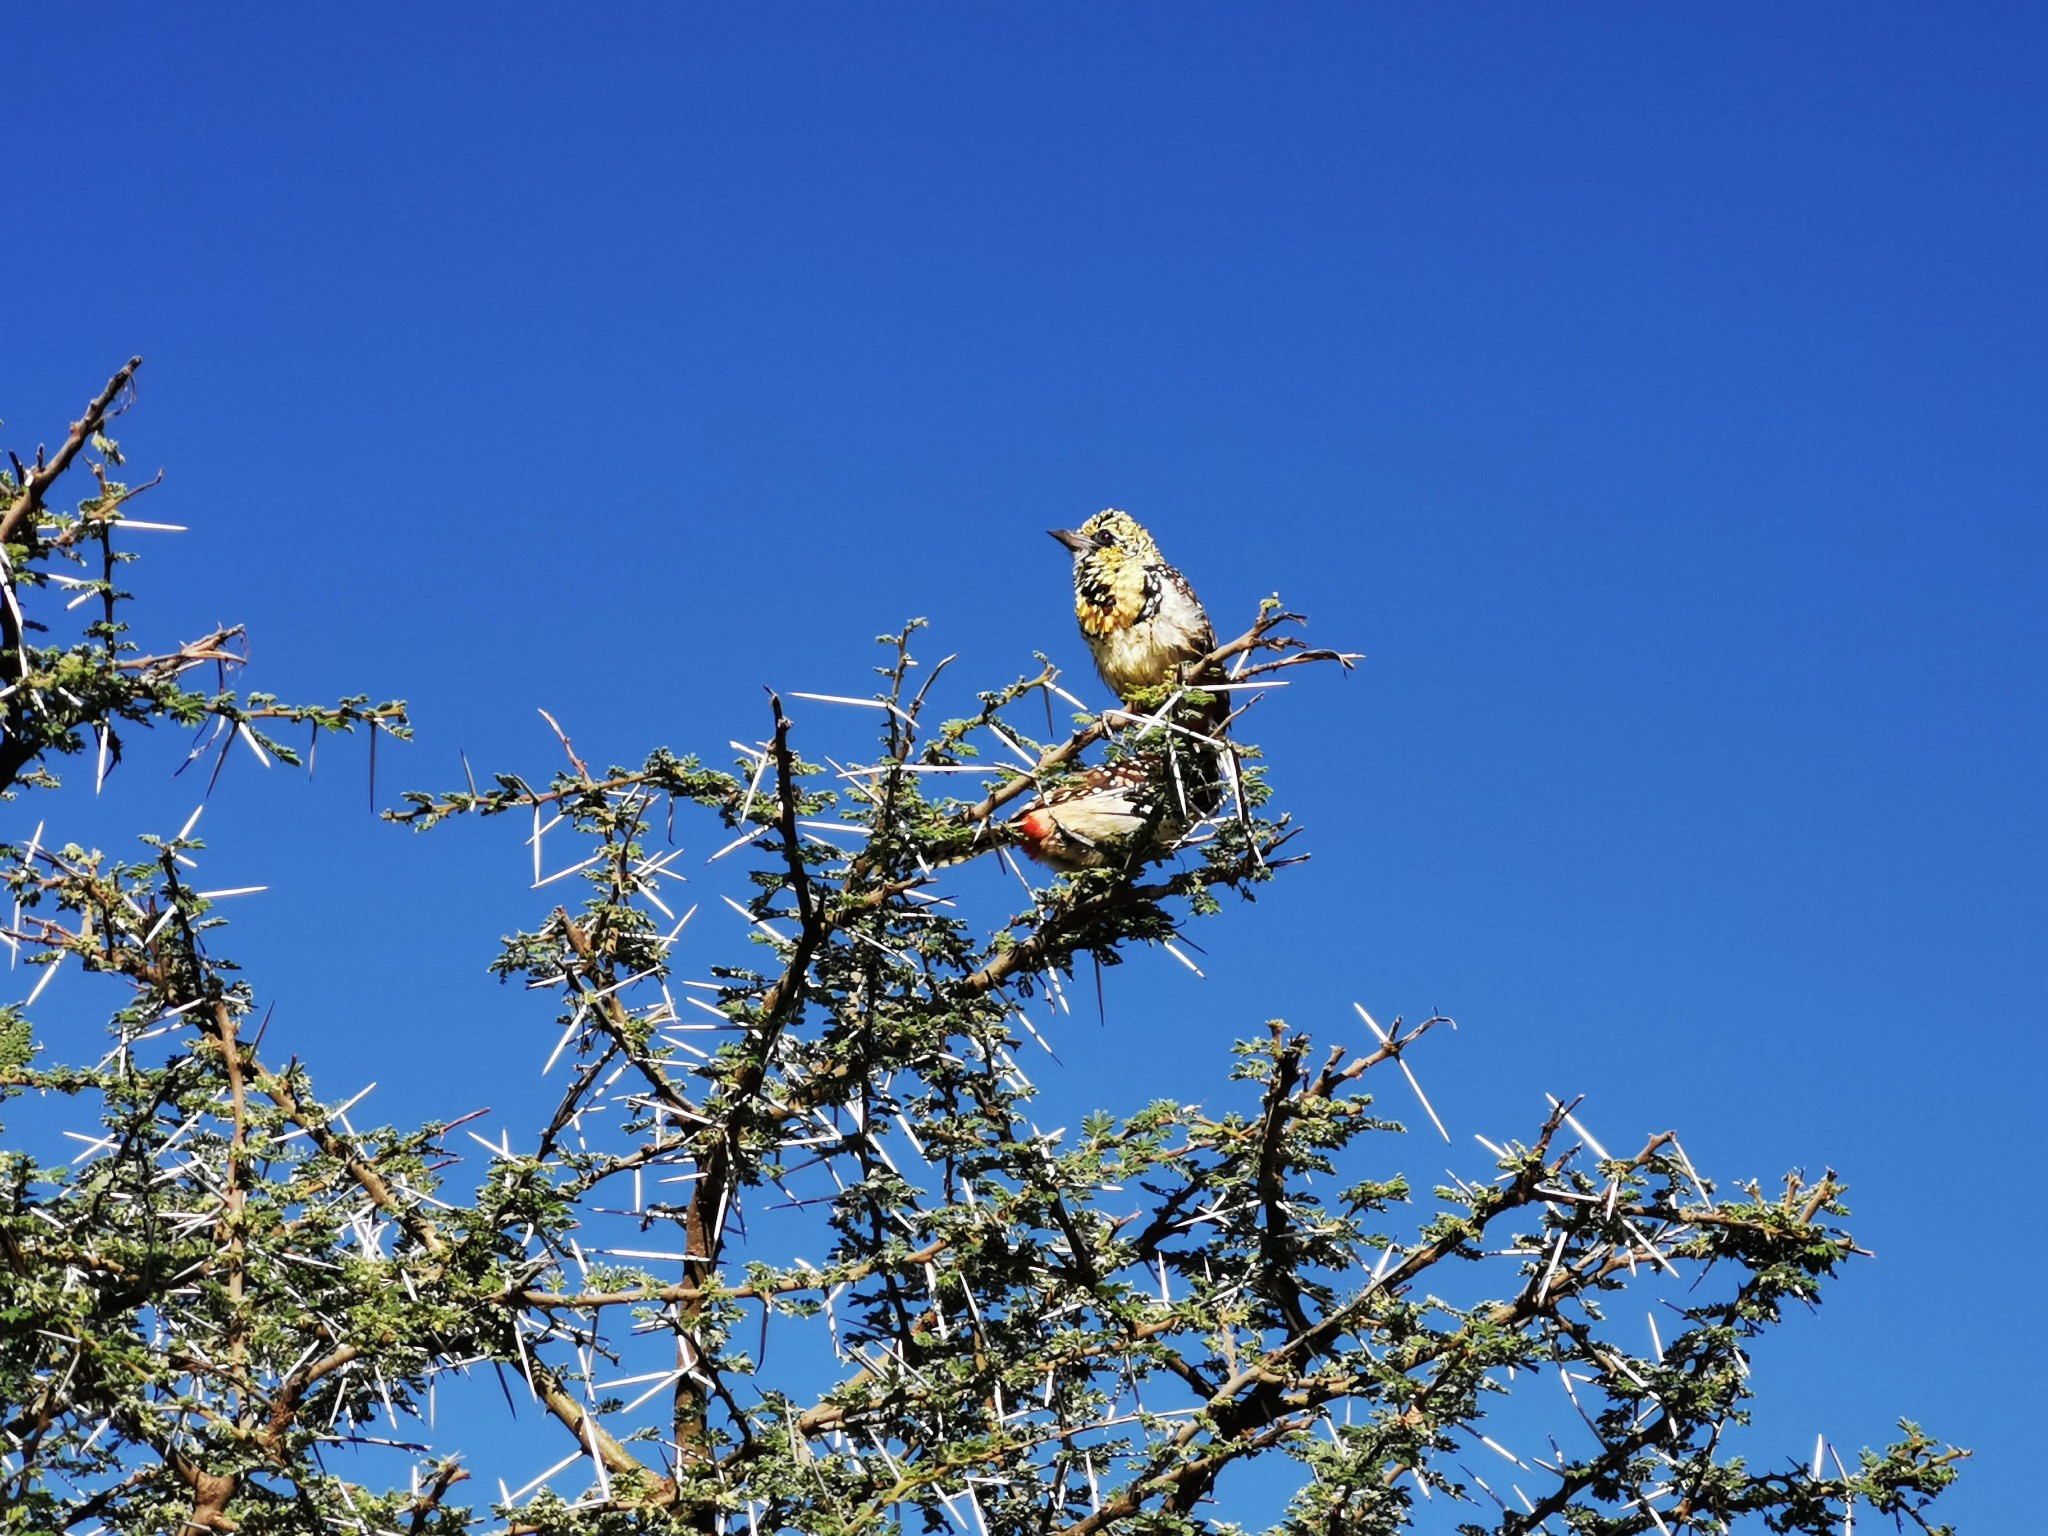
[(30, 499)]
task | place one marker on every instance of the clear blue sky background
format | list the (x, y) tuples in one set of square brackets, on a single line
[(1656, 394)]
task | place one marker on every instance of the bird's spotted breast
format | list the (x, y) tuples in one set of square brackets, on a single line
[(1112, 594)]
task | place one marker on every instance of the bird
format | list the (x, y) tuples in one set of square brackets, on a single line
[(1140, 616), (1090, 823)]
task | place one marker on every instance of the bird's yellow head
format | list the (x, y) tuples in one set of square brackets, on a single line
[(1113, 529), (1112, 551)]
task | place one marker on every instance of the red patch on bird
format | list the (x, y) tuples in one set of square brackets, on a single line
[(1038, 825)]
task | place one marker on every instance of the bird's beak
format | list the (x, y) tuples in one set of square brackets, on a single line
[(1077, 542)]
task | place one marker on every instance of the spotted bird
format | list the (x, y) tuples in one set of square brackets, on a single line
[(1140, 617)]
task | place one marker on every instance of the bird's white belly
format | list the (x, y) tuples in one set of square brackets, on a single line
[(1144, 655)]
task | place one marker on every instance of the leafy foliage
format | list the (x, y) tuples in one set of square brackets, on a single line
[(978, 1324)]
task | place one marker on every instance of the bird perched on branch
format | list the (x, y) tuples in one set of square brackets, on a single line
[(1091, 822), (1140, 617)]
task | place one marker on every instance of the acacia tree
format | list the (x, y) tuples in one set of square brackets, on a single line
[(230, 1310)]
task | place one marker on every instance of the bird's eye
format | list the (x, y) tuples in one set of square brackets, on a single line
[(1104, 539)]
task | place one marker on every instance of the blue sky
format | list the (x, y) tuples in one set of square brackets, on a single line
[(1654, 395)]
